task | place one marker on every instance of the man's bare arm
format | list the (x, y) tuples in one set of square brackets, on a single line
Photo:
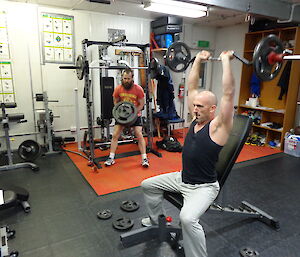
[(141, 104), (225, 117), (194, 76), (116, 100)]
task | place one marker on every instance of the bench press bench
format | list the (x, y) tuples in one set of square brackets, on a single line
[(227, 157)]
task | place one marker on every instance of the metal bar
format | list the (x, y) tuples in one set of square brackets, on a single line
[(138, 236), (214, 59), (48, 123), (87, 87), (117, 67), (119, 142), (270, 8), (291, 57), (77, 119), (263, 216), (88, 42), (22, 134)]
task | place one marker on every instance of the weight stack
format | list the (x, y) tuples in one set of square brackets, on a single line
[(107, 103)]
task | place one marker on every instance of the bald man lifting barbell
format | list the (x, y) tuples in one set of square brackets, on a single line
[(197, 181)]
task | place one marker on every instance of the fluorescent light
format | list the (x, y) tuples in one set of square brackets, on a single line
[(176, 8)]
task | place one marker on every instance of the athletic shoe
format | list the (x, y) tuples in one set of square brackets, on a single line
[(146, 222), (145, 163), (109, 161)]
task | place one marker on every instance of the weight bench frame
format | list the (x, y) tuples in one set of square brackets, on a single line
[(227, 157)]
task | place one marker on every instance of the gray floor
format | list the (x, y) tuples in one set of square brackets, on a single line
[(63, 221)]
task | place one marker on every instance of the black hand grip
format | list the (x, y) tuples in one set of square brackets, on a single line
[(69, 67)]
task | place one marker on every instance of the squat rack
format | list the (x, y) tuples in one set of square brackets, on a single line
[(87, 89)]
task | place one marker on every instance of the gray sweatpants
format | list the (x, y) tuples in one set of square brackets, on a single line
[(197, 199)]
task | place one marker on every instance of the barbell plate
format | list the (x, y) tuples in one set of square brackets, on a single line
[(125, 113), (79, 67), (80, 70), (262, 68), (29, 150), (129, 206), (104, 214), (178, 57), (248, 252), (123, 223)]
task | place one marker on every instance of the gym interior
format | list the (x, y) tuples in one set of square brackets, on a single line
[(59, 64)]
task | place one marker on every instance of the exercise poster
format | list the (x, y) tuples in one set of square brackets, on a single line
[(57, 38), (7, 94)]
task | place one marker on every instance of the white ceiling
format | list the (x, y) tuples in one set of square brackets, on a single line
[(218, 17)]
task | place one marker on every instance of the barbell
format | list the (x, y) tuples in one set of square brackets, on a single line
[(82, 67), (268, 57)]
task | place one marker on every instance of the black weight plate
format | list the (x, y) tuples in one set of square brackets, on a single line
[(29, 150), (178, 57), (80, 64), (123, 224), (104, 214), (125, 113), (263, 69), (129, 206), (248, 252)]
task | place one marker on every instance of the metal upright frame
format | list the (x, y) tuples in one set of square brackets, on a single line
[(87, 90)]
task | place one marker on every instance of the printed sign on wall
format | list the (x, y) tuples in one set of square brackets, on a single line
[(7, 94), (57, 38)]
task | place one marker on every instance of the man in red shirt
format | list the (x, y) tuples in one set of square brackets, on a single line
[(129, 92)]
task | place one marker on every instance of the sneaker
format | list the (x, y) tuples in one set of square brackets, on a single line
[(109, 161), (146, 222), (145, 163)]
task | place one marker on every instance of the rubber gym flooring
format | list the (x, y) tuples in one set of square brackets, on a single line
[(63, 221)]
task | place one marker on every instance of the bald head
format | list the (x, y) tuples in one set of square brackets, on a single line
[(208, 97)]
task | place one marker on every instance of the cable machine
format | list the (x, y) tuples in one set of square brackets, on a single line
[(90, 152)]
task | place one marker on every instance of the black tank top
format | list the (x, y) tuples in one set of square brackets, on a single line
[(199, 156)]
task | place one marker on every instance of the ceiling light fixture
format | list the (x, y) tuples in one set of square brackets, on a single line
[(176, 8)]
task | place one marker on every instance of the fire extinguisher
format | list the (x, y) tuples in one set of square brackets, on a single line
[(181, 91)]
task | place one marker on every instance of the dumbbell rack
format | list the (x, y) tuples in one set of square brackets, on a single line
[(5, 123)]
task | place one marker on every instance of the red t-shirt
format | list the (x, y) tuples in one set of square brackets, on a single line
[(132, 95)]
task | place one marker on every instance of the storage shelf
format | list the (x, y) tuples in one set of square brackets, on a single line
[(159, 49), (283, 110), (267, 128), (262, 109)]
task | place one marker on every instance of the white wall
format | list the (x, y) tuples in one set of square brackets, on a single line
[(229, 38), (31, 76)]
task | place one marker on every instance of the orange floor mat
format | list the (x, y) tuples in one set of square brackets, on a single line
[(128, 172)]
